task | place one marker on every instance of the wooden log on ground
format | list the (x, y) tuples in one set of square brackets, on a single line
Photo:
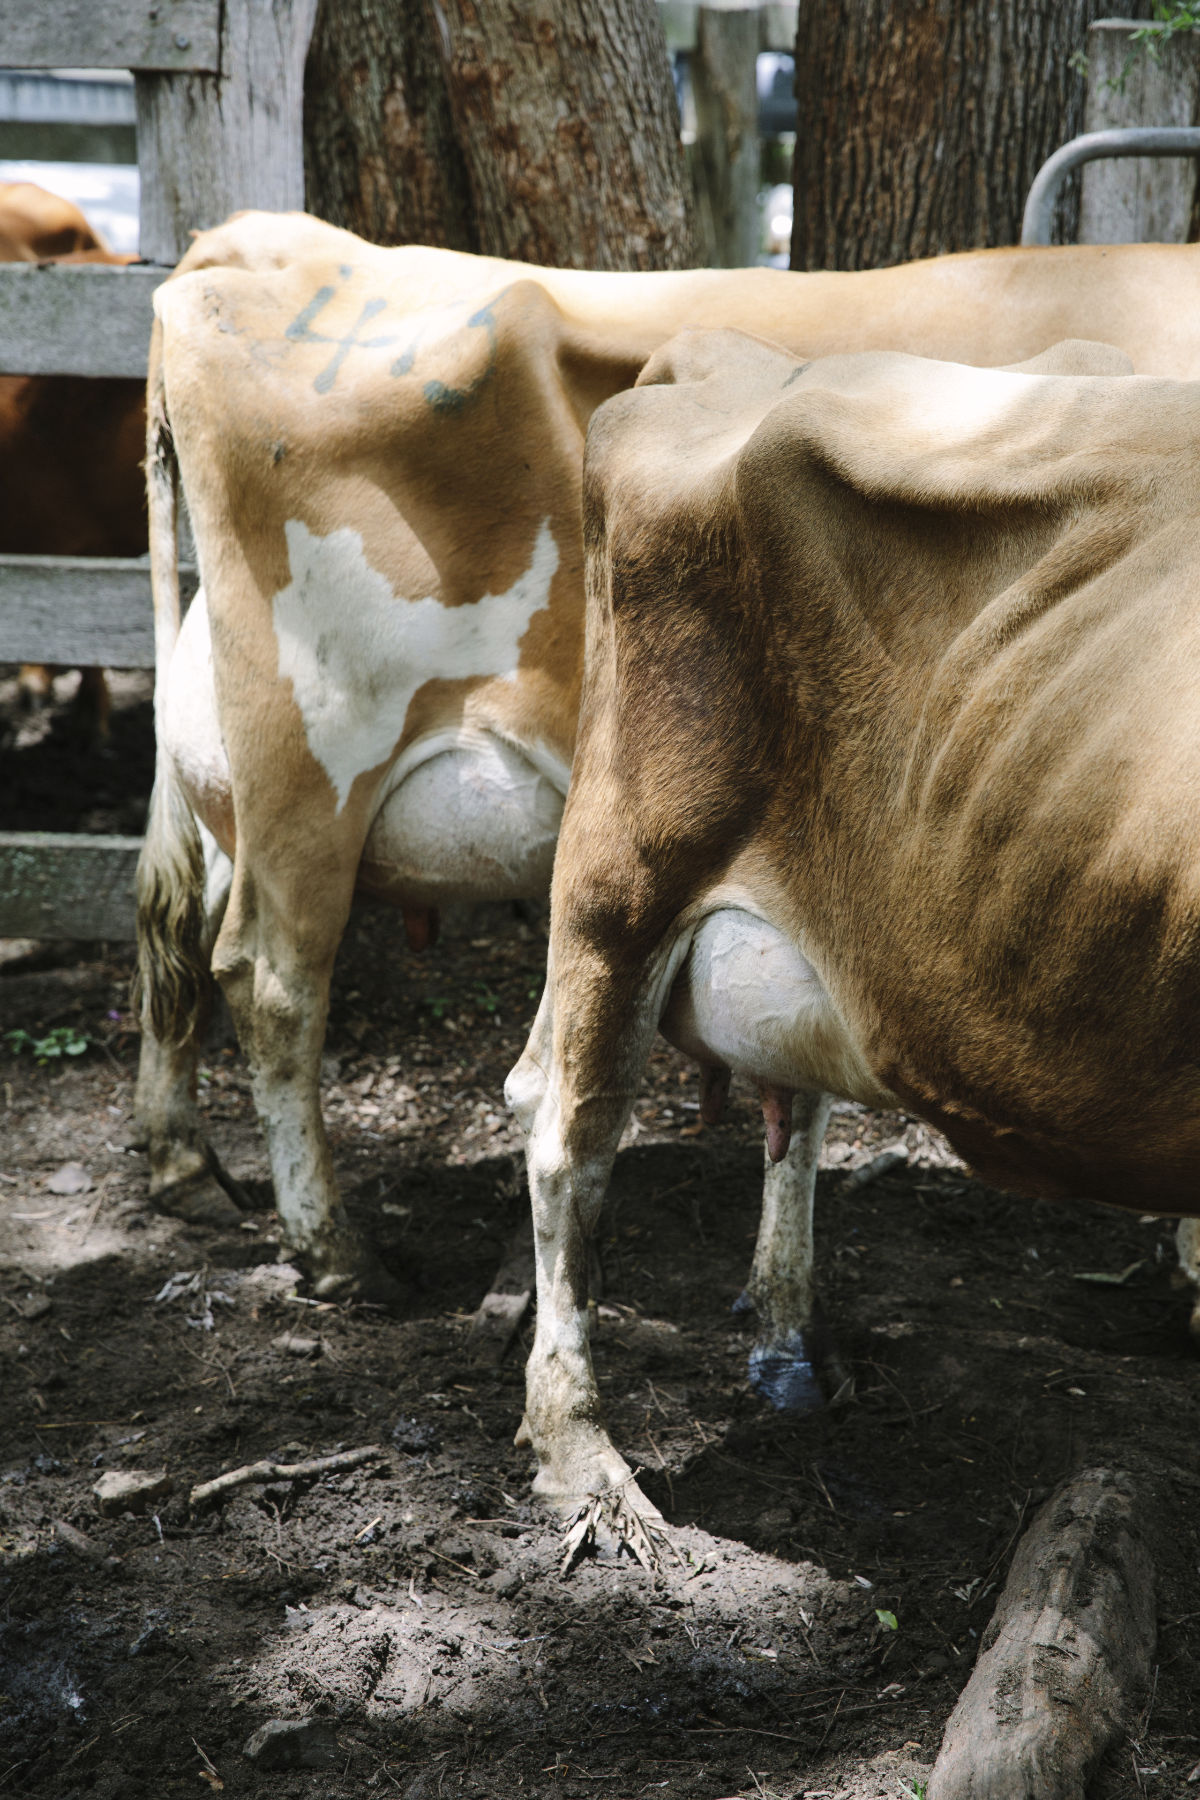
[(1065, 1663)]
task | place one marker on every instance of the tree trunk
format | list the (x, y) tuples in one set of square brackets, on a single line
[(545, 130), (727, 147), (923, 123), (380, 155)]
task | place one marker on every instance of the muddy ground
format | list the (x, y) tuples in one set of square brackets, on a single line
[(412, 1608)]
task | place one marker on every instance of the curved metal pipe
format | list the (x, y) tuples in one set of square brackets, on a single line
[(1131, 140)]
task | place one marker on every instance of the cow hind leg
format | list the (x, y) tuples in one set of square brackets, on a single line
[(183, 886), (571, 1142), (275, 974), (789, 1356)]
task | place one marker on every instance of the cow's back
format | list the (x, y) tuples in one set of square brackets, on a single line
[(909, 656)]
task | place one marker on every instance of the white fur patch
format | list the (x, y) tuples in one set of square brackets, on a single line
[(190, 730), (355, 652)]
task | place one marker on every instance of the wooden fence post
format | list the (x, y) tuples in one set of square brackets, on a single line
[(727, 146), (209, 145), (220, 93), (1137, 200)]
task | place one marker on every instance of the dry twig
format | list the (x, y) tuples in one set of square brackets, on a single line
[(207, 1491), (646, 1540)]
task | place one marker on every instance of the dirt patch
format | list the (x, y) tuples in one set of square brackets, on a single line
[(413, 1607)]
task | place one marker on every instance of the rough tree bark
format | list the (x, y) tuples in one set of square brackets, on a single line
[(380, 154), (923, 122), (540, 129)]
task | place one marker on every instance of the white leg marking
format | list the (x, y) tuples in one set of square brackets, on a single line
[(781, 1276), (571, 1143)]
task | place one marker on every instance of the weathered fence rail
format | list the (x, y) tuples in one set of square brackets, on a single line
[(219, 86), (115, 34), (67, 320)]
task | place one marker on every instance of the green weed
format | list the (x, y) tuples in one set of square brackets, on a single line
[(62, 1040)]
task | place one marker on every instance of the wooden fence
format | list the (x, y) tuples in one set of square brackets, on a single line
[(219, 87)]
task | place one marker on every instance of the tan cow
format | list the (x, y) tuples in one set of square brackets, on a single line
[(887, 784), (71, 448), (37, 226), (377, 693)]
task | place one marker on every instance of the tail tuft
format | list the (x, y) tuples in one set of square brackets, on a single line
[(172, 984)]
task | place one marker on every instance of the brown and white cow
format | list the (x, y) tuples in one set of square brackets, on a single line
[(71, 448), (887, 784), (377, 692)]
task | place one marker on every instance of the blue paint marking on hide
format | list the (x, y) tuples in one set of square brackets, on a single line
[(444, 399), (300, 331), (440, 396)]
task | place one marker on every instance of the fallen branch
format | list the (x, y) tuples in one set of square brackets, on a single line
[(887, 1159), (1065, 1663), (504, 1305), (276, 1471), (82, 1544)]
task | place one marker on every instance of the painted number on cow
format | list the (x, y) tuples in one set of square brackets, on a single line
[(442, 396), (300, 331)]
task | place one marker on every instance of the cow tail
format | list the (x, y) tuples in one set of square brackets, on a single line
[(172, 986)]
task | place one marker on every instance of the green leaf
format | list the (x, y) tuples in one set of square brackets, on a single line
[(887, 1619)]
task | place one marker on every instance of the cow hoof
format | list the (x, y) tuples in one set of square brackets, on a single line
[(200, 1201), (622, 1517), (600, 1503), (783, 1373)]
